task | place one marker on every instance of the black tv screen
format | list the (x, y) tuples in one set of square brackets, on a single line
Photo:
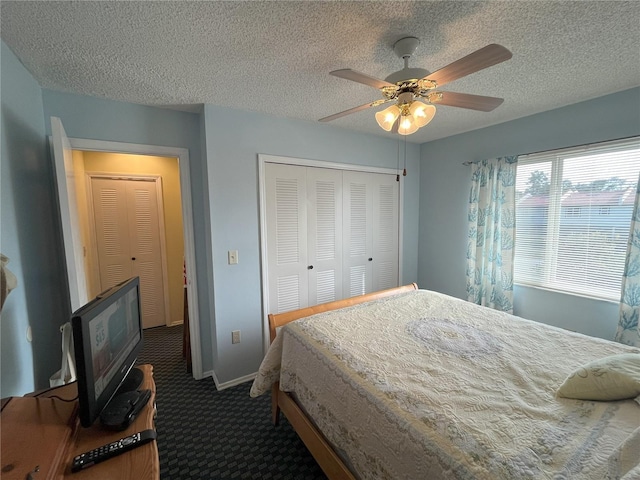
[(107, 337)]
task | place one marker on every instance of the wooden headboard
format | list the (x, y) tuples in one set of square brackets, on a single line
[(279, 319)]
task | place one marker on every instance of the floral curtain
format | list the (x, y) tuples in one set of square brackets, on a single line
[(492, 223), (628, 328)]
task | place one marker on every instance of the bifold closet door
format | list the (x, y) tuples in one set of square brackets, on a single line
[(370, 232), (358, 233), (385, 231), (304, 236), (112, 231), (144, 231), (330, 234), (127, 231), (324, 227), (286, 236)]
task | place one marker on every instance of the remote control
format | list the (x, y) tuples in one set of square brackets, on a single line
[(100, 454)]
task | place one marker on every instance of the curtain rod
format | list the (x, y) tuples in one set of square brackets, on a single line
[(564, 148)]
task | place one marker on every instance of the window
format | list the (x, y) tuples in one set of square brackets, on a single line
[(573, 213)]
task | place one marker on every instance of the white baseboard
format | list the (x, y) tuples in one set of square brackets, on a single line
[(234, 382), (176, 323), (230, 383)]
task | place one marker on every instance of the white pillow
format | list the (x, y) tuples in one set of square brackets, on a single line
[(611, 378)]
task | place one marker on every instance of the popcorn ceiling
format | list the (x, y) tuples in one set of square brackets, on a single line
[(275, 57)]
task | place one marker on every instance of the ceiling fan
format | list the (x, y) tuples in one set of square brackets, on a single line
[(410, 88)]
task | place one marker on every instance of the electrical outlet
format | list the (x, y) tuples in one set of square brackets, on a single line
[(235, 336)]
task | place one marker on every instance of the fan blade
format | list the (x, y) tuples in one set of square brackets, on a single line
[(354, 110), (354, 76), (483, 58), (465, 100)]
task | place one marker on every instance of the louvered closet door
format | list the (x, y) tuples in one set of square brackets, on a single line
[(112, 231), (385, 231), (324, 227), (286, 218), (370, 232), (358, 233), (128, 240), (144, 232)]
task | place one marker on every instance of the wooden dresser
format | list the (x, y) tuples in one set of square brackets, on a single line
[(41, 435)]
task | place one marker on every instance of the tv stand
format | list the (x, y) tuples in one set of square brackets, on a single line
[(41, 430)]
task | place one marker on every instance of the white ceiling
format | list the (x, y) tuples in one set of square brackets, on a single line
[(275, 57)]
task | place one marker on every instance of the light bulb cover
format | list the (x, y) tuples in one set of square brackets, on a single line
[(387, 117), (422, 113), (407, 125)]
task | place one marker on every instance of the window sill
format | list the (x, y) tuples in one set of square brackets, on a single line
[(565, 292)]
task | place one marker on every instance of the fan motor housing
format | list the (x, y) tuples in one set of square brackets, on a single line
[(404, 48), (407, 74)]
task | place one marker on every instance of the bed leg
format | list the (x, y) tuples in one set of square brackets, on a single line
[(275, 408)]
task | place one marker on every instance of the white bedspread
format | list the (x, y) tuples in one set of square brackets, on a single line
[(425, 386)]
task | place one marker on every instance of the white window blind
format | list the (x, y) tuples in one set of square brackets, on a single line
[(573, 213)]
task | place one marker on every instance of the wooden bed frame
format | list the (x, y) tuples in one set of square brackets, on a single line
[(315, 441)]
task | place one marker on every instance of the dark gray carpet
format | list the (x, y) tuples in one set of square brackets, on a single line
[(208, 434)]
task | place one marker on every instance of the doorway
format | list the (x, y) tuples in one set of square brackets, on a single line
[(127, 231), (61, 145)]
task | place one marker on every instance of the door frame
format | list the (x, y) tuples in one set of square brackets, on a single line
[(182, 154), (157, 179), (62, 158), (262, 196)]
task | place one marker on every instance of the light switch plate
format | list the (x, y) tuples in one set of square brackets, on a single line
[(233, 257)]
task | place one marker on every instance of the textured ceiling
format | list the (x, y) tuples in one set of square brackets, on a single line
[(275, 57)]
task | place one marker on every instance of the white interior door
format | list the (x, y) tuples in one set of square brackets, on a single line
[(128, 240), (358, 233), (324, 227), (286, 214), (66, 187)]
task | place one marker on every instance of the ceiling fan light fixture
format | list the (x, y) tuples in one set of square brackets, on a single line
[(387, 117), (405, 86), (422, 113)]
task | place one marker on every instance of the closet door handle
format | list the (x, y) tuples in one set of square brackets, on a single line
[(310, 267), (133, 258), (370, 259)]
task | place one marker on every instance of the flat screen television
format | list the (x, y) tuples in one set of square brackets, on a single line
[(107, 337)]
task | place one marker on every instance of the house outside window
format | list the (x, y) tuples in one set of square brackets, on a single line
[(573, 214), (572, 211), (605, 211)]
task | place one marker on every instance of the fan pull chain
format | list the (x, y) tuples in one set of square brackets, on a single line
[(398, 163), (404, 171)]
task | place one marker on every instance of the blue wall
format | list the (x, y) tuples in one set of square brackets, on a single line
[(29, 236), (234, 140), (445, 184)]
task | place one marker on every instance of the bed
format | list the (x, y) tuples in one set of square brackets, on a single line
[(412, 384)]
